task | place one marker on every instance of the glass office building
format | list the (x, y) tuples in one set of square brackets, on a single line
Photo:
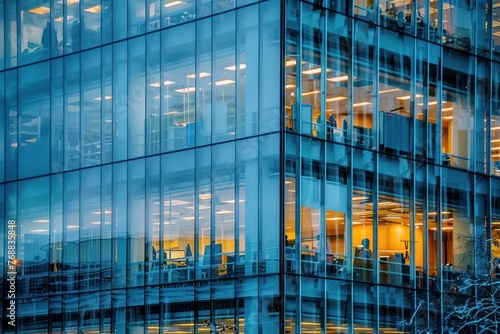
[(257, 166)]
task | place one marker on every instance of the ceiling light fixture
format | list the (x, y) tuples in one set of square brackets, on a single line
[(94, 10), (173, 3), (42, 10), (233, 68), (224, 82)]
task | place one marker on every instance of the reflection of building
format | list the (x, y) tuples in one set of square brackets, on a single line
[(155, 162)]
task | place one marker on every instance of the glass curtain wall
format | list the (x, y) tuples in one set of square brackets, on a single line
[(382, 137)]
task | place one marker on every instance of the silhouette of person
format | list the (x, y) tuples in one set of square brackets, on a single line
[(49, 38), (365, 252)]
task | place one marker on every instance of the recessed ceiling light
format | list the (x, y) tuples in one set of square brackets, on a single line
[(94, 10), (42, 10), (200, 75), (361, 104), (337, 98), (339, 79), (233, 68), (173, 3), (186, 90), (224, 82)]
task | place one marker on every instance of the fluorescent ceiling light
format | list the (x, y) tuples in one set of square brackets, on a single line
[(186, 90), (314, 71), (177, 202), (173, 3), (389, 90), (339, 79), (233, 68), (447, 117), (171, 112), (337, 98), (431, 103), (42, 221), (205, 196), (290, 86), (200, 75), (407, 97), (94, 10), (107, 97), (42, 10), (39, 231), (73, 226), (165, 83), (106, 212), (232, 201), (224, 82), (290, 62), (447, 109), (69, 2), (311, 93), (495, 128), (224, 212), (361, 104)]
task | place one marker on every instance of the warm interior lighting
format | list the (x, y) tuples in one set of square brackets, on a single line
[(42, 10), (339, 79), (290, 62), (290, 86), (407, 97), (224, 82), (447, 117), (173, 3), (94, 10), (447, 109), (233, 68), (495, 128), (392, 90), (185, 90), (337, 98), (431, 103), (315, 70), (311, 92), (361, 104)]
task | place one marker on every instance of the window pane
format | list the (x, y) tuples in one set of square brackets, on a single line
[(34, 120)]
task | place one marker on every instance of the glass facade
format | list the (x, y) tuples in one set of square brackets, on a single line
[(246, 166)]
